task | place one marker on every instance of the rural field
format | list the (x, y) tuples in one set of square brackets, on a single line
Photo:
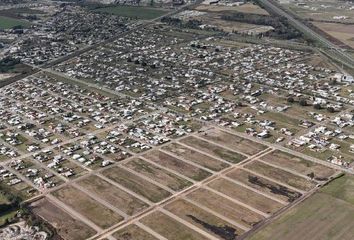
[(7, 22), (133, 12), (326, 215), (67, 226)]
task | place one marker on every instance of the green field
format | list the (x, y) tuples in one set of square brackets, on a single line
[(133, 12), (327, 215), (6, 22)]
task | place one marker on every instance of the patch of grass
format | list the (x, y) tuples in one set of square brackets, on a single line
[(6, 23), (341, 188), (133, 12)]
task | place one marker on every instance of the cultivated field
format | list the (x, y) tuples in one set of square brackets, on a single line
[(136, 184), (67, 226), (234, 142), (133, 232), (245, 195), (299, 165), (157, 174), (196, 157), (133, 12), (213, 150), (88, 207), (114, 195), (177, 165), (326, 215), (263, 185)]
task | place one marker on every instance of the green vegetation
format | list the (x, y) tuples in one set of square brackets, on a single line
[(133, 12), (6, 23), (326, 215), (282, 28), (7, 64)]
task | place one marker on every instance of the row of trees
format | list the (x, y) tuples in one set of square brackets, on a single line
[(282, 28)]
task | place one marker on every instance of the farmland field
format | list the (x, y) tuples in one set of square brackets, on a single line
[(233, 142), (245, 195), (132, 232), (177, 165), (88, 207), (324, 216), (133, 12), (203, 219), (196, 157), (159, 175), (271, 188), (302, 166), (213, 150), (136, 184), (115, 196), (6, 22), (225, 207), (67, 227), (281, 175), (170, 228)]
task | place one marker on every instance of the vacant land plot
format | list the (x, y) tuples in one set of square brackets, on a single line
[(159, 175), (341, 188), (245, 8), (196, 157), (133, 12), (132, 232), (136, 184), (88, 207), (66, 226), (321, 217), (225, 207), (281, 175), (342, 32), (261, 184), (6, 22), (204, 220), (300, 165), (177, 165), (234, 142), (170, 228), (213, 150), (245, 195), (115, 196)]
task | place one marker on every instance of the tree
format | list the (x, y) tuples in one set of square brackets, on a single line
[(291, 100), (331, 109), (311, 175), (303, 102), (317, 106)]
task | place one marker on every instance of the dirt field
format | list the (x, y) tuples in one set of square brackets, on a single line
[(225, 207), (234, 142), (133, 232), (204, 220), (113, 195), (213, 150), (245, 195), (343, 32), (245, 8), (179, 166), (197, 157), (88, 207), (299, 165), (264, 185), (170, 228), (281, 176), (66, 226), (162, 176), (136, 184), (324, 216)]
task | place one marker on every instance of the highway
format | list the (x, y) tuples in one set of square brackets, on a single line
[(331, 49)]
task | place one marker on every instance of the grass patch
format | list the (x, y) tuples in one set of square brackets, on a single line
[(6, 23), (133, 12)]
